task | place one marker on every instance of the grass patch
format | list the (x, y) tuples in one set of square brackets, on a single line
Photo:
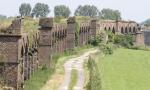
[(126, 69), (38, 79), (73, 80)]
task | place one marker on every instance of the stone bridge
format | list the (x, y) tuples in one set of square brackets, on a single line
[(19, 57)]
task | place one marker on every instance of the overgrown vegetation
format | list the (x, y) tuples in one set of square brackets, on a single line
[(73, 80), (124, 40), (38, 79), (94, 82), (95, 40)]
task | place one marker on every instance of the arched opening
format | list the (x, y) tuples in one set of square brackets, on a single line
[(130, 30), (105, 28), (122, 30), (22, 52), (26, 63), (134, 30), (109, 28), (126, 30), (113, 31)]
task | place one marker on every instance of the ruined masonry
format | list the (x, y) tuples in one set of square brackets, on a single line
[(18, 60)]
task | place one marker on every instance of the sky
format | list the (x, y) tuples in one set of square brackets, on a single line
[(136, 10)]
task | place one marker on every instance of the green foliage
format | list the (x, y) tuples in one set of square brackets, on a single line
[(94, 76), (110, 14), (3, 17), (146, 22), (62, 11), (111, 36), (25, 9), (86, 10), (81, 19), (124, 40), (95, 40), (40, 10), (77, 33), (38, 79), (107, 49)]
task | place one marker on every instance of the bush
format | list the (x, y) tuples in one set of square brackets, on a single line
[(107, 49), (111, 36), (95, 40), (94, 76), (124, 40)]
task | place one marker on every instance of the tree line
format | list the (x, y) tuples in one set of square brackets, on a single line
[(42, 10)]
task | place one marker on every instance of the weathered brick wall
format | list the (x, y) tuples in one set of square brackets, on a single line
[(84, 33), (146, 35), (22, 59)]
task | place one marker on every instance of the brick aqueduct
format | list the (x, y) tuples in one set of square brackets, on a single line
[(18, 60)]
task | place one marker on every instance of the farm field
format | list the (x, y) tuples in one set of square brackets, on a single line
[(125, 70)]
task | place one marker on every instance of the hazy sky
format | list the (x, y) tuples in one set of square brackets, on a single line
[(137, 10)]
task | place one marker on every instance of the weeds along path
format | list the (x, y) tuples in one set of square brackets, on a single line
[(77, 64)]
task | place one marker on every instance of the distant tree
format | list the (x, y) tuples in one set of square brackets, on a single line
[(2, 17), (62, 11), (110, 14), (25, 9), (87, 10), (40, 10), (146, 22)]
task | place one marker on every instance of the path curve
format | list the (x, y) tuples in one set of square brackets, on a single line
[(75, 63)]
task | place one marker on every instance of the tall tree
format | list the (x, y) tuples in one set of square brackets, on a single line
[(62, 11), (110, 14), (40, 10), (86, 10), (25, 9)]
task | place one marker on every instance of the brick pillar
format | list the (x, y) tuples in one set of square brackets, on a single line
[(10, 58), (139, 39), (71, 28), (45, 42), (93, 27)]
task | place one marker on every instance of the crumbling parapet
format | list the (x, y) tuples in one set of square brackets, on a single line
[(14, 29)]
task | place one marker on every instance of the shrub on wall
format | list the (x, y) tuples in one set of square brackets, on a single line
[(124, 40)]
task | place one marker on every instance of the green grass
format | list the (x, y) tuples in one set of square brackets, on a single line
[(38, 79), (73, 81), (125, 70)]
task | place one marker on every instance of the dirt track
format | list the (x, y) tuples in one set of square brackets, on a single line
[(75, 63)]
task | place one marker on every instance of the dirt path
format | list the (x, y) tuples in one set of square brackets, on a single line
[(75, 63)]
